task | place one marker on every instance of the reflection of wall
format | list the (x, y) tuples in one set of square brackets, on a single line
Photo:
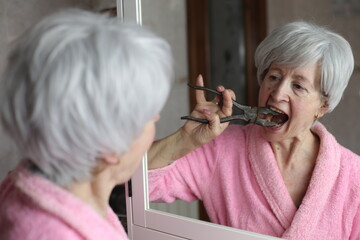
[(227, 47), (15, 17), (343, 121), (168, 19)]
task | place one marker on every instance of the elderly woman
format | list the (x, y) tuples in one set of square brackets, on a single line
[(293, 180), (70, 100)]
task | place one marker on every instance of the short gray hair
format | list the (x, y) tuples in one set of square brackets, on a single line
[(300, 43), (79, 85)]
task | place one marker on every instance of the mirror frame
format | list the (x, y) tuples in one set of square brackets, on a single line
[(146, 223)]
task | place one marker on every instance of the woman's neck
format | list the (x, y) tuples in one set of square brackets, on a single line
[(296, 160), (96, 193), (299, 148)]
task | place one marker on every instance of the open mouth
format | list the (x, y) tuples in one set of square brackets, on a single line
[(280, 118)]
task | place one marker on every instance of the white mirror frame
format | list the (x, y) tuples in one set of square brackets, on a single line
[(146, 223)]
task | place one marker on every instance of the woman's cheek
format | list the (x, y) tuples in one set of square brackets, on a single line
[(262, 97)]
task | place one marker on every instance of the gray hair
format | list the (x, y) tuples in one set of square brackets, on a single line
[(301, 43), (79, 85)]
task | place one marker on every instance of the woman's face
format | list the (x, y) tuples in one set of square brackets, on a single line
[(295, 92), (130, 161)]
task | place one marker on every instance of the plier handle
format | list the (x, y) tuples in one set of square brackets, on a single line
[(257, 115)]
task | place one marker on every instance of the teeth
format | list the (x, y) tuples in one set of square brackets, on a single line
[(277, 110), (281, 119)]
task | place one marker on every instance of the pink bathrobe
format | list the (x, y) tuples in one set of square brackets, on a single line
[(33, 208), (237, 178)]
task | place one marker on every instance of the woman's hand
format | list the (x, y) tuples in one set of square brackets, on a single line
[(221, 106), (193, 134)]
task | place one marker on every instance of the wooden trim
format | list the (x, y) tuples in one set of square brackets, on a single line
[(198, 43), (255, 12)]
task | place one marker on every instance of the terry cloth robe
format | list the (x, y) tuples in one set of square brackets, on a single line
[(33, 208), (237, 178)]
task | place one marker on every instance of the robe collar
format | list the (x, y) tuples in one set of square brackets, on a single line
[(68, 208), (296, 222)]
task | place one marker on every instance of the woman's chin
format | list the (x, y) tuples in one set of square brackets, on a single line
[(274, 133)]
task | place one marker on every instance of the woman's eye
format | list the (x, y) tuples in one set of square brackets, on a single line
[(297, 86), (273, 77)]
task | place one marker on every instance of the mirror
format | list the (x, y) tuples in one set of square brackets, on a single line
[(169, 19)]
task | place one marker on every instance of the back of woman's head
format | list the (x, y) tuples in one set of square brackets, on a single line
[(299, 44), (79, 85)]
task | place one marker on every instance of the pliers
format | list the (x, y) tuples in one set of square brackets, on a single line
[(257, 115)]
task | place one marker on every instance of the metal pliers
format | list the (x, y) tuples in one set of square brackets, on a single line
[(255, 115)]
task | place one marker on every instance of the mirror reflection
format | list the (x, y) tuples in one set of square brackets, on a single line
[(269, 177), (170, 23)]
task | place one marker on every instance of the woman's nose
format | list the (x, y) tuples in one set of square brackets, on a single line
[(280, 91)]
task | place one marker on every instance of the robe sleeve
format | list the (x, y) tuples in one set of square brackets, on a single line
[(188, 178)]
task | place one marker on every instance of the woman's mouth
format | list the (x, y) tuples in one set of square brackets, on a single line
[(279, 119)]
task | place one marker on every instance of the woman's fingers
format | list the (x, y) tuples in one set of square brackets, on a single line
[(228, 97), (200, 95), (214, 123), (217, 99)]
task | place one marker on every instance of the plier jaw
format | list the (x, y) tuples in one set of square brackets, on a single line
[(263, 117), (259, 115)]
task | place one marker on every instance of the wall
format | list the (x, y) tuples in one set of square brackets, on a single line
[(344, 18)]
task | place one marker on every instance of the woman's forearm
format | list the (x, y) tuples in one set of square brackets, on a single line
[(165, 151)]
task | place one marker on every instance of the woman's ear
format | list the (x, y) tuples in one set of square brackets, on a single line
[(323, 109), (111, 159)]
